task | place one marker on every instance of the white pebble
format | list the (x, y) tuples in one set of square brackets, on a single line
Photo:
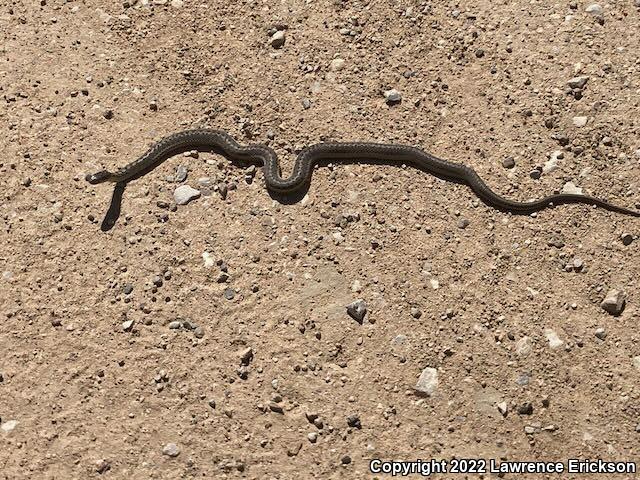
[(594, 9), (571, 188), (336, 64), (552, 337), (171, 450), (9, 425), (580, 121)]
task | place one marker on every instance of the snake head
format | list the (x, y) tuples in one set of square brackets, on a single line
[(98, 177)]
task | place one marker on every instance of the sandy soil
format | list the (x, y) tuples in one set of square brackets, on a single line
[(95, 384)]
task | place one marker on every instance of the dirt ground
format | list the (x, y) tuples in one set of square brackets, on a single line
[(266, 375)]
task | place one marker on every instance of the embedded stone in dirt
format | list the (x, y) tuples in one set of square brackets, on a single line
[(614, 302)]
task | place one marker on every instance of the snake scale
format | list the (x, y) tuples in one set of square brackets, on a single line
[(263, 155)]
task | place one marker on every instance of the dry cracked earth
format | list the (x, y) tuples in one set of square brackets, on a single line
[(211, 339)]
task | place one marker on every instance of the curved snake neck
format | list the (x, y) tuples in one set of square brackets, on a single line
[(394, 154)]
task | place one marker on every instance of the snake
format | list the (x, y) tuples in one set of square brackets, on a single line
[(264, 156)]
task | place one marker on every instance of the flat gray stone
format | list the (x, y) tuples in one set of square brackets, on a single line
[(184, 194), (578, 83), (614, 302), (428, 381)]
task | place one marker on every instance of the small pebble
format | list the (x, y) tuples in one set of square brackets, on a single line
[(553, 339), (601, 333), (277, 39), (578, 83), (428, 381), (594, 9), (184, 194), (8, 426), (274, 407), (571, 188), (102, 466), (313, 437), (354, 421), (246, 356), (294, 449), (337, 64), (171, 450), (181, 174), (614, 302), (509, 162), (392, 96), (580, 121), (176, 324), (525, 409), (523, 346), (357, 310), (626, 238)]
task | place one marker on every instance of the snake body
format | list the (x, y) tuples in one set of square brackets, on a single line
[(331, 151)]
